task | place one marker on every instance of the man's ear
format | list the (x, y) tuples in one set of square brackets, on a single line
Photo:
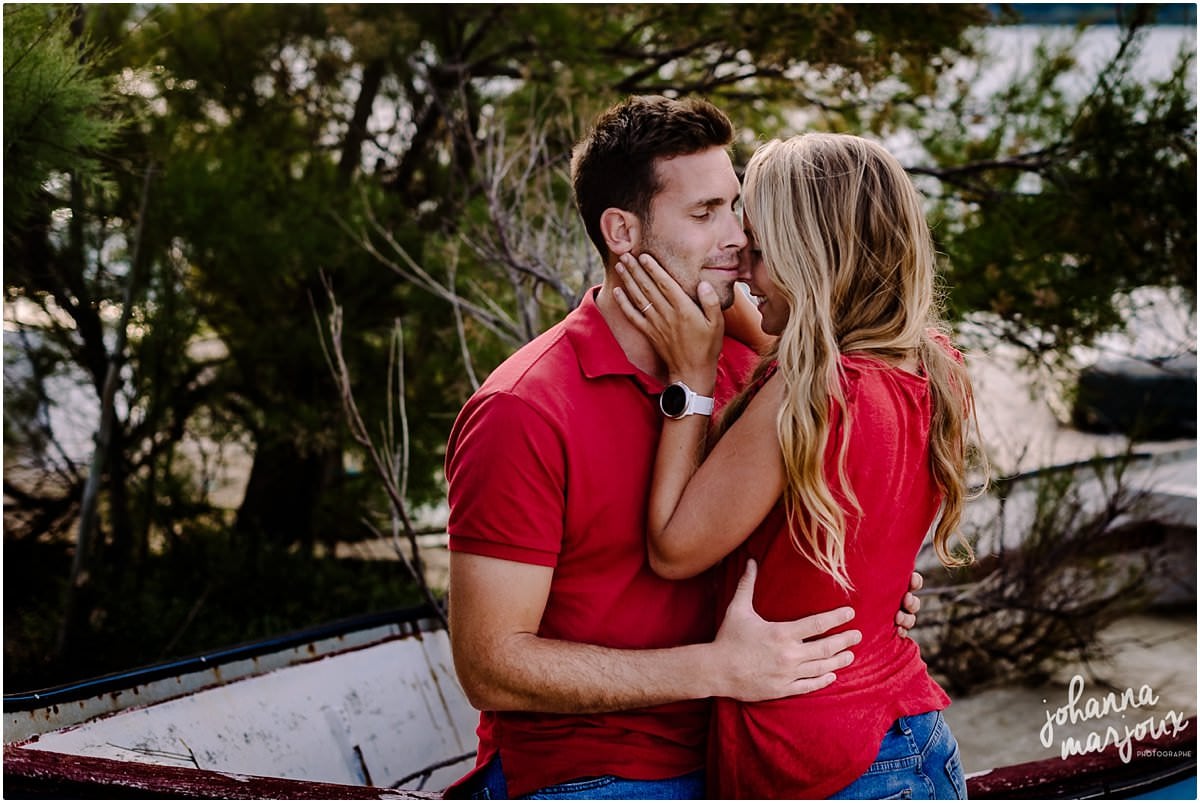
[(621, 229)]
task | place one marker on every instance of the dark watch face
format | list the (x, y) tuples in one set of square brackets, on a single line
[(673, 401)]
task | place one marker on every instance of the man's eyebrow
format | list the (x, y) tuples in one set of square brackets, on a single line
[(711, 202)]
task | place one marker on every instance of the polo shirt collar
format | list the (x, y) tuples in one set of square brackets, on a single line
[(597, 348)]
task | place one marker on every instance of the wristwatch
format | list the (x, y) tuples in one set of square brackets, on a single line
[(678, 400)]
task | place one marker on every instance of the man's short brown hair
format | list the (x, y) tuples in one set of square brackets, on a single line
[(614, 165)]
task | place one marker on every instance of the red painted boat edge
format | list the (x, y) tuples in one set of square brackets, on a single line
[(29, 772)]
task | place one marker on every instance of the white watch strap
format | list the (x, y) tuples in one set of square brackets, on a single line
[(701, 405)]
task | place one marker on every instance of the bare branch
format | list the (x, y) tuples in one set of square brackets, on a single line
[(1039, 596), (528, 246), (408, 268), (389, 471), (460, 328)]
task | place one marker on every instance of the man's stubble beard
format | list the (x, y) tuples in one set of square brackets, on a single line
[(665, 257)]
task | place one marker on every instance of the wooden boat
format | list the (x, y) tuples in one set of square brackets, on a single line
[(368, 708), (362, 709)]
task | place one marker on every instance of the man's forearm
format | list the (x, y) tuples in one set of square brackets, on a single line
[(750, 659), (529, 673), (504, 665)]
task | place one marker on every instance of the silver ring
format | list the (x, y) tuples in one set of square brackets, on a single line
[(648, 306)]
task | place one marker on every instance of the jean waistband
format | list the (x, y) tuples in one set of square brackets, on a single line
[(921, 727)]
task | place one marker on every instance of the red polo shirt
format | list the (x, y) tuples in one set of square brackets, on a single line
[(550, 463)]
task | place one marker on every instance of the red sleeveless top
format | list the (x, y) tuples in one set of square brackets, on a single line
[(813, 745)]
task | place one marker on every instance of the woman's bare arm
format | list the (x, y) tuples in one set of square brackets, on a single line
[(701, 507)]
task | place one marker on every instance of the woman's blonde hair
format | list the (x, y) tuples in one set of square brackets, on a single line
[(844, 238)]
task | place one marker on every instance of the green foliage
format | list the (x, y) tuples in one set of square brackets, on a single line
[(286, 141), (54, 103), (1065, 202), (206, 590)]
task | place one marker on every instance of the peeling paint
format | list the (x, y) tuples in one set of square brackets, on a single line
[(264, 724)]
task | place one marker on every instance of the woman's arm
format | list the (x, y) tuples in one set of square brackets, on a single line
[(724, 499), (700, 512)]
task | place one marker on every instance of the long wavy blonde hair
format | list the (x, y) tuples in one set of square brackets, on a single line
[(844, 238)]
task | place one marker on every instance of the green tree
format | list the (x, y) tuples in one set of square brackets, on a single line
[(57, 111), (60, 120), (1065, 202), (294, 145)]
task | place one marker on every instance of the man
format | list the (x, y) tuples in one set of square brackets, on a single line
[(591, 672)]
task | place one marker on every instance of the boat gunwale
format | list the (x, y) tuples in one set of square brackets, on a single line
[(1103, 774), (1088, 776), (44, 771), (408, 621)]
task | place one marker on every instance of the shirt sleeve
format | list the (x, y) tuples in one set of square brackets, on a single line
[(506, 477)]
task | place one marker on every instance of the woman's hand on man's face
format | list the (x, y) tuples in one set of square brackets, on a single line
[(686, 336)]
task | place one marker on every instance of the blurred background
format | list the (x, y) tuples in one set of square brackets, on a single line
[(256, 257)]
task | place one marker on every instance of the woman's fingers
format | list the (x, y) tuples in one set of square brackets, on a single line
[(643, 289), (665, 283), (631, 309), (655, 282), (710, 306), (627, 269)]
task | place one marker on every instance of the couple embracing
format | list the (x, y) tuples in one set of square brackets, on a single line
[(675, 513)]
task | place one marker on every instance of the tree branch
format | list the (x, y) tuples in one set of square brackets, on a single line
[(388, 470), (91, 490)]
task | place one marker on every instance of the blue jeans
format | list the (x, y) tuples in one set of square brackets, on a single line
[(492, 786), (918, 759)]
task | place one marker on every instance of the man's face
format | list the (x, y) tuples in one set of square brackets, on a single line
[(695, 229)]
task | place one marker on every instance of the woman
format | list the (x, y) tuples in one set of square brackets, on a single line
[(849, 444)]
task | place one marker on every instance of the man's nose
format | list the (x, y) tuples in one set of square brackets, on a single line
[(735, 237), (744, 263)]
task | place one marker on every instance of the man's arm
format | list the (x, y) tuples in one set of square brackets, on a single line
[(503, 665)]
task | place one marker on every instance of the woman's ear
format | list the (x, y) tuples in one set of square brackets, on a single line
[(621, 229)]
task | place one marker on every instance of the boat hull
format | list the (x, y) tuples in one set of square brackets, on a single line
[(365, 710)]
